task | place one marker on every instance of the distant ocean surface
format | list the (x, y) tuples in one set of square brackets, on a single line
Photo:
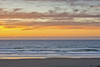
[(47, 48)]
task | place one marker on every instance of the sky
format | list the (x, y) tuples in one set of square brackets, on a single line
[(49, 18)]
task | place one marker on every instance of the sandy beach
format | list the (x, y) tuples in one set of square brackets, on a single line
[(51, 62)]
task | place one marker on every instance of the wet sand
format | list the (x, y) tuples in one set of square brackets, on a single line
[(51, 62)]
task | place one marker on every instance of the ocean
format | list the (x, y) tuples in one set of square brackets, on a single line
[(50, 48)]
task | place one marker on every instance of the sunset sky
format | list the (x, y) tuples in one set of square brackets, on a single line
[(49, 18)]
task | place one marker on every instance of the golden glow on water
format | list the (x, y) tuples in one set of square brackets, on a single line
[(22, 57)]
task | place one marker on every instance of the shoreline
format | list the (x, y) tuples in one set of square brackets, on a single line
[(19, 58), (46, 56)]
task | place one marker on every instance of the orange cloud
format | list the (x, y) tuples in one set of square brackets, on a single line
[(50, 24)]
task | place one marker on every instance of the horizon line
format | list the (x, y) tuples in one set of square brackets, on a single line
[(49, 38)]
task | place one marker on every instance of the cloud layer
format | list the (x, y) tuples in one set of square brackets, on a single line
[(61, 14)]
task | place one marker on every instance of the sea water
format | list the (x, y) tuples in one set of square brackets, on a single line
[(50, 48)]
